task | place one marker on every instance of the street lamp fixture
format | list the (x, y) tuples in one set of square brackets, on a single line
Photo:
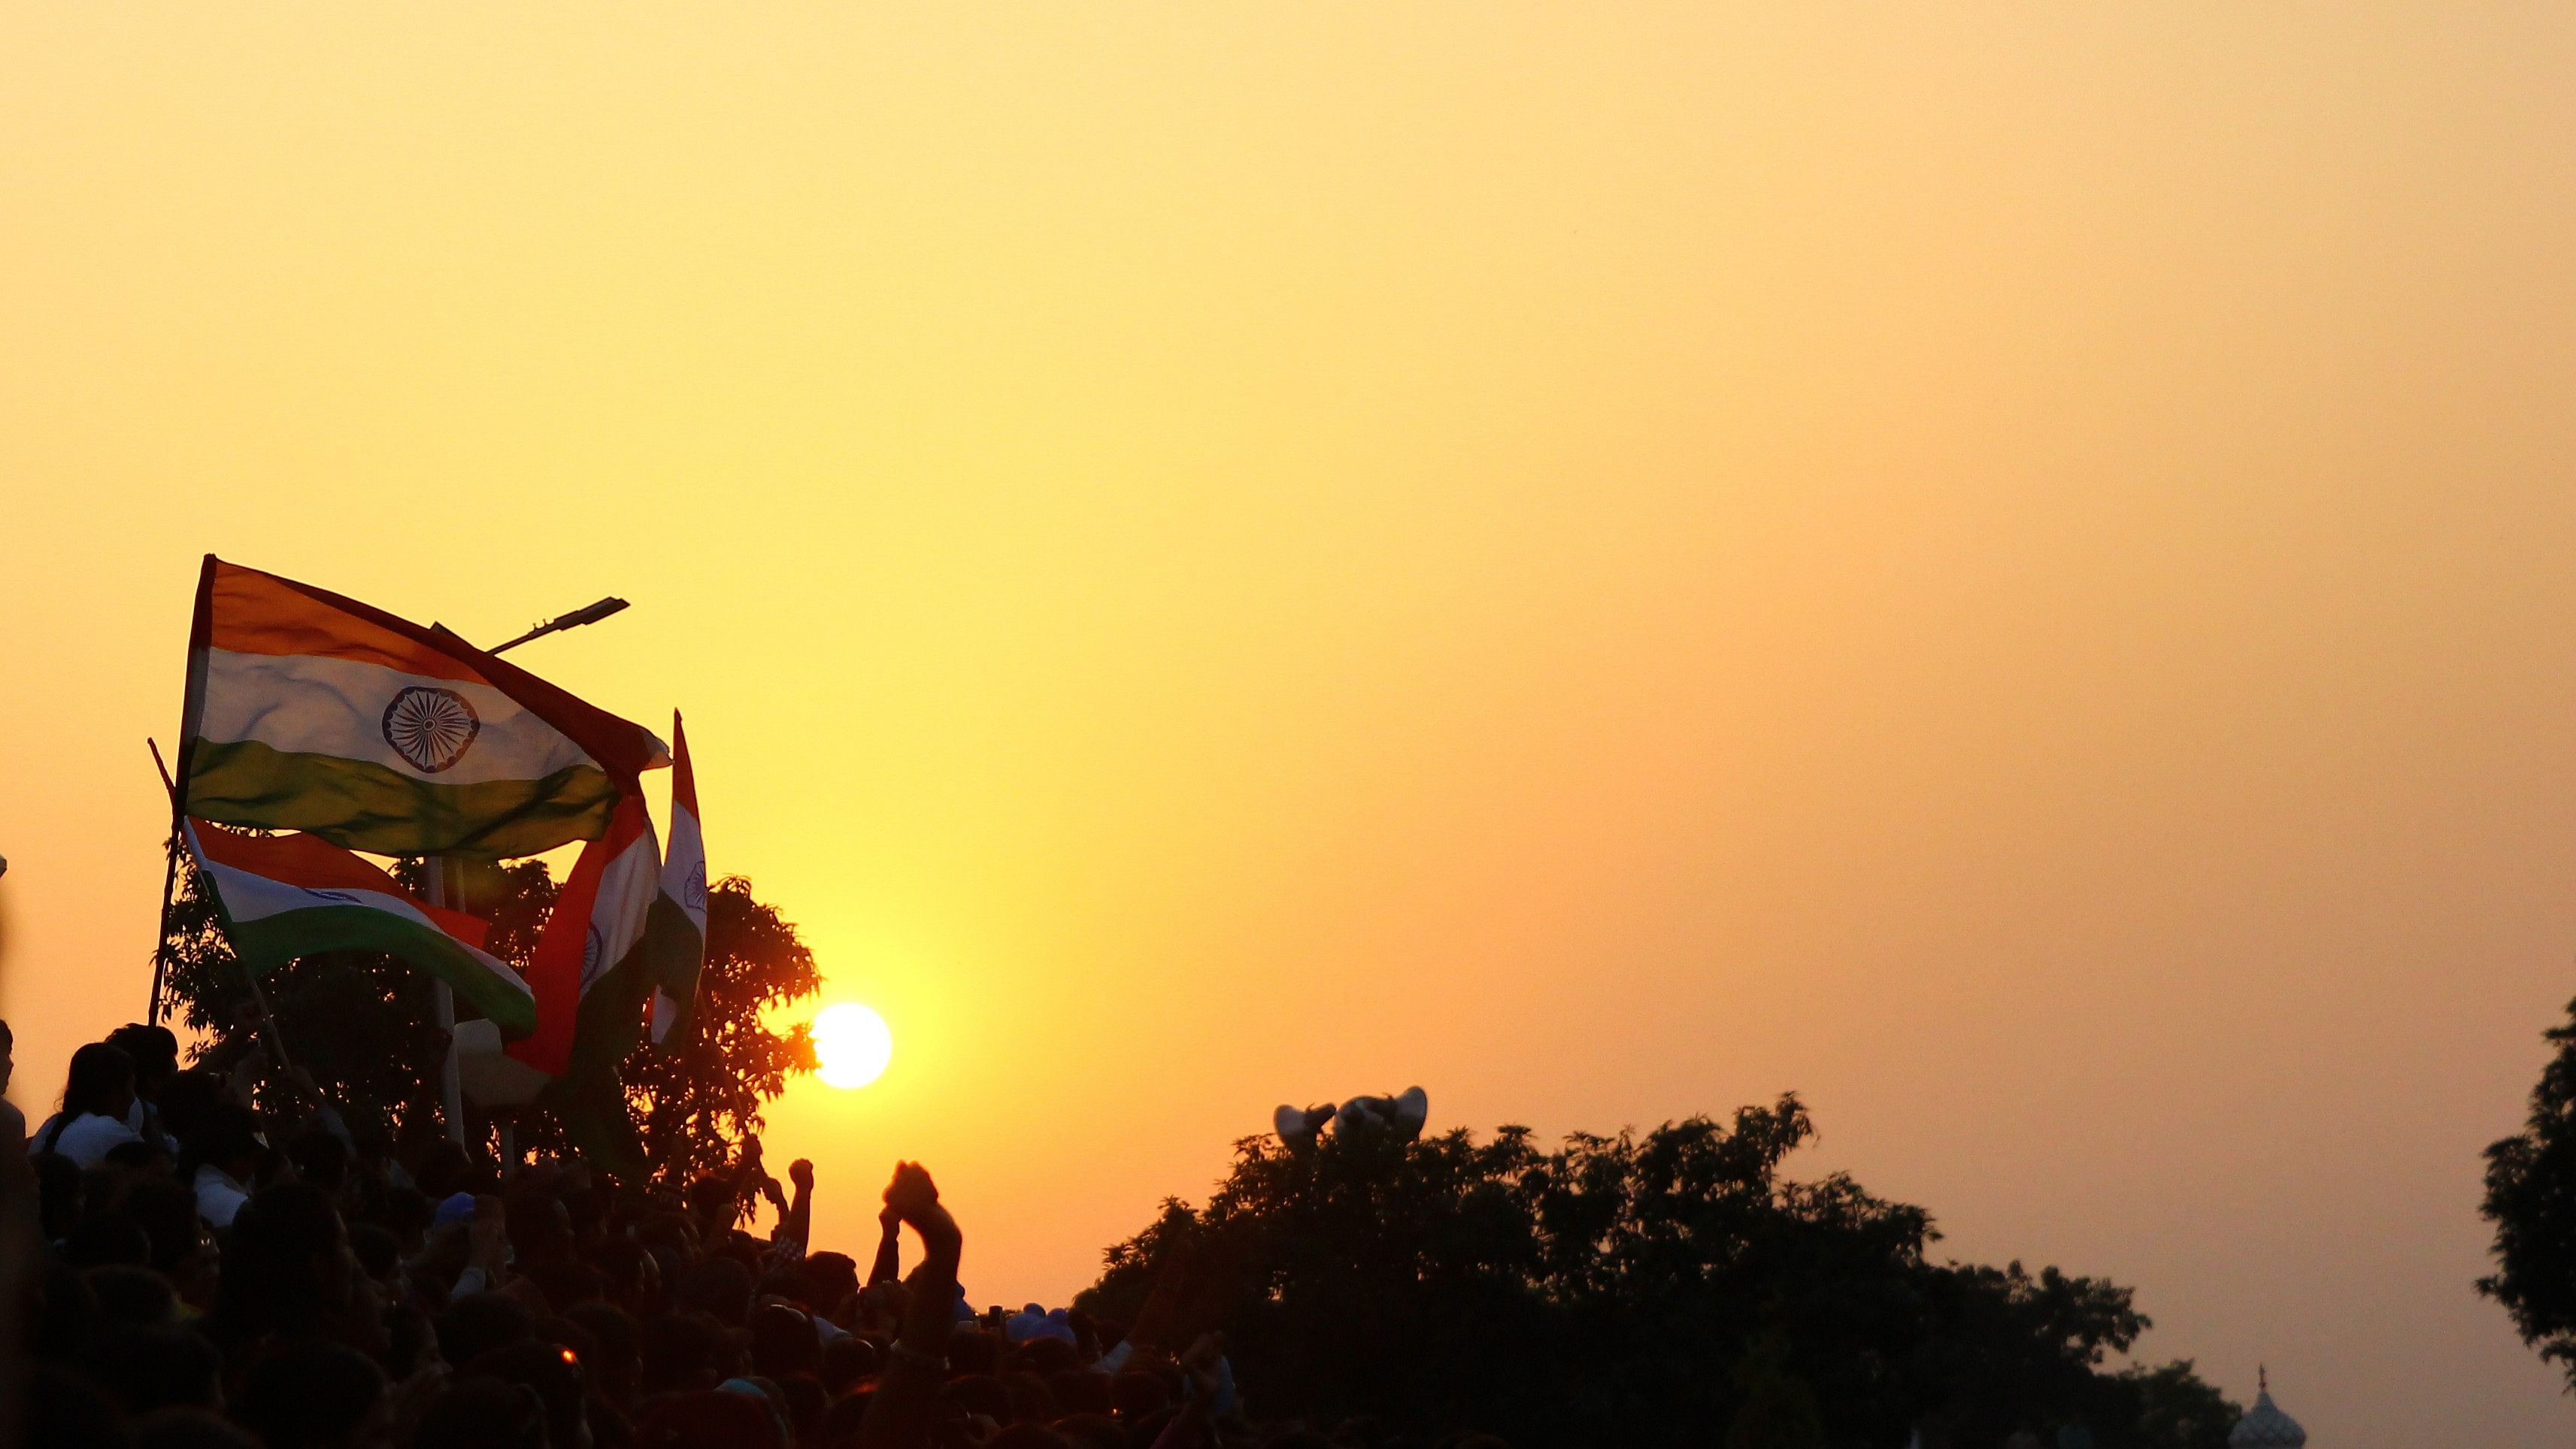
[(587, 614)]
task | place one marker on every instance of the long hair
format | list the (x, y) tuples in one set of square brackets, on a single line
[(100, 1074)]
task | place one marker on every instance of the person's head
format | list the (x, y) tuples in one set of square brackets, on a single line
[(807, 1403), (313, 1395), (827, 1280), (379, 1252), (710, 1419), (973, 1351), (100, 1082), (539, 1227), (1044, 1355), (478, 1323), (132, 1295), (65, 1411), (713, 1203), (155, 1053), (1079, 1391), (979, 1394), (555, 1373), (447, 1168), (683, 1351), (66, 1312), (622, 1265), (8, 1055), (287, 1269), (1032, 1402), (407, 1211), (565, 1282), (783, 1342), (181, 1250), (411, 1341), (187, 1096), (719, 1287), (845, 1362), (104, 1238), (841, 1422), (320, 1157), (154, 1366), (226, 1138), (148, 1157), (484, 1413), (613, 1367)]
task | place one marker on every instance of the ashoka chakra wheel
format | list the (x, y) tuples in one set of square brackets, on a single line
[(431, 728)]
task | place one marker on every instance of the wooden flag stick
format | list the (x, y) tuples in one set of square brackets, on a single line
[(161, 948), (169, 885)]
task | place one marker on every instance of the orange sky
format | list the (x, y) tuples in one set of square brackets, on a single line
[(2005, 567)]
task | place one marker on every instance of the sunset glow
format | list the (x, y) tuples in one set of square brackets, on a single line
[(2004, 568), (852, 1043)]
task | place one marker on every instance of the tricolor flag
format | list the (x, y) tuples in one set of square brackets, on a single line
[(590, 957), (285, 896), (308, 711), (677, 932)]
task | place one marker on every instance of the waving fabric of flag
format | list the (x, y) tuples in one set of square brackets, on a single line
[(588, 970), (285, 896), (678, 930), (309, 711)]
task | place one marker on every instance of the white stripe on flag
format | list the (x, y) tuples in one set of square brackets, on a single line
[(320, 705)]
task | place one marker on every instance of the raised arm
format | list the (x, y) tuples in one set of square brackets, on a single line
[(907, 1398), (799, 1222), (1201, 1370), (889, 1263)]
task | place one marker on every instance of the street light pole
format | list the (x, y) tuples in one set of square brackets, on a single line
[(451, 1083)]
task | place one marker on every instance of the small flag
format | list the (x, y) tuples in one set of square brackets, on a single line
[(589, 953), (285, 896), (309, 711), (677, 931)]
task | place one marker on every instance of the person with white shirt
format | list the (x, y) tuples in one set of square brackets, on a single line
[(228, 1154), (97, 1093)]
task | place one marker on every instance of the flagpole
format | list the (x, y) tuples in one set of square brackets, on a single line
[(161, 949), (169, 885), (451, 1080)]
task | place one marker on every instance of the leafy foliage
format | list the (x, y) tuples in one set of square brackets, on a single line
[(2531, 1199), (1675, 1287), (700, 1090), (364, 1024)]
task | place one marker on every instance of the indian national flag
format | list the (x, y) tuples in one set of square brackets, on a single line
[(588, 970), (285, 896), (677, 931), (308, 711)]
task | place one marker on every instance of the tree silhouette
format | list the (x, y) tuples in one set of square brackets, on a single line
[(2531, 1199), (364, 1026), (1675, 1287)]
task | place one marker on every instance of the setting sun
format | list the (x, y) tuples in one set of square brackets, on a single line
[(852, 1043)]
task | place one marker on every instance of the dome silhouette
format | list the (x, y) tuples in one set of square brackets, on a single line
[(2265, 1426)]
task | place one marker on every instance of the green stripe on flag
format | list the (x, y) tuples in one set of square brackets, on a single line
[(675, 953), (271, 940), (364, 806), (590, 1096)]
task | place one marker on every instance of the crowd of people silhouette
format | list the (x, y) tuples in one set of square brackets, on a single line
[(218, 1273)]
